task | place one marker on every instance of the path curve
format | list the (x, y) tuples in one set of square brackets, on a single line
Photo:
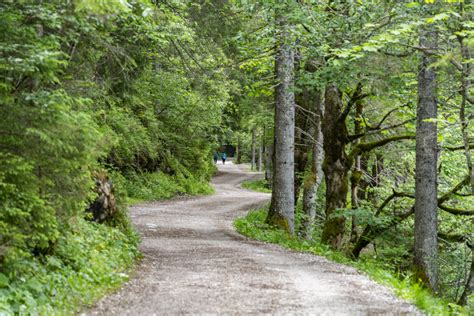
[(195, 263)]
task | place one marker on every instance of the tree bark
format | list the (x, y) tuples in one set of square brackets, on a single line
[(261, 152), (469, 287), (466, 83), (269, 153), (315, 175), (426, 208), (336, 166), (238, 151), (281, 213), (253, 147), (356, 172)]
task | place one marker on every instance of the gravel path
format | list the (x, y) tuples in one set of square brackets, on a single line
[(194, 263)]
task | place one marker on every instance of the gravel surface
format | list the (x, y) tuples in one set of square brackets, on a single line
[(195, 263)]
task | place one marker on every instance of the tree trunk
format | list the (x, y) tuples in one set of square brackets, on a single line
[(260, 151), (314, 177), (269, 153), (356, 172), (238, 153), (336, 165), (469, 288), (281, 213), (426, 208), (466, 83), (253, 147), (302, 144)]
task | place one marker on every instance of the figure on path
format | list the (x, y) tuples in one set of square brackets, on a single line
[(216, 157), (224, 157)]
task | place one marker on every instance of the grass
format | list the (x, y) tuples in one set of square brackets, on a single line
[(253, 226), (160, 186), (257, 185), (89, 261)]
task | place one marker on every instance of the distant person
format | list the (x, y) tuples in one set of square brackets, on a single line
[(224, 157), (216, 157)]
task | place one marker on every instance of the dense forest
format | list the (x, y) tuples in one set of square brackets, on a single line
[(358, 112)]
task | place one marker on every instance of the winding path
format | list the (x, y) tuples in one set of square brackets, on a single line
[(194, 263)]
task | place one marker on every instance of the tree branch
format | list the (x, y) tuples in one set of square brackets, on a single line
[(366, 147), (456, 211), (471, 146), (357, 136)]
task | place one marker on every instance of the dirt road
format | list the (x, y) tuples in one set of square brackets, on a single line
[(194, 263)]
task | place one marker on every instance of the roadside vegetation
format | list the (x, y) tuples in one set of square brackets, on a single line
[(254, 226), (257, 185), (97, 111)]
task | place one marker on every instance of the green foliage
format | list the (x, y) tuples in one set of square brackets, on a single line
[(159, 186), (257, 185), (253, 225), (90, 260), (125, 87)]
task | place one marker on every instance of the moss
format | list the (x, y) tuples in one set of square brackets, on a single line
[(279, 221)]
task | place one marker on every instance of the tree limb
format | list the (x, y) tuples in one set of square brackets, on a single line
[(375, 131), (366, 147)]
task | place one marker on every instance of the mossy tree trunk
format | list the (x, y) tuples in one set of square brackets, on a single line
[(356, 176), (336, 166), (281, 212), (315, 174)]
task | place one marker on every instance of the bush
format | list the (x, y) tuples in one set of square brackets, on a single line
[(89, 260)]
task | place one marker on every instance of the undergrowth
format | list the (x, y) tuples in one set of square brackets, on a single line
[(89, 260), (160, 186), (253, 226), (257, 185)]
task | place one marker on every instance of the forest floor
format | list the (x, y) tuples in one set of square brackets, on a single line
[(195, 263)]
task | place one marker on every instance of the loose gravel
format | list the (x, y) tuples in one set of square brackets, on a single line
[(195, 263)]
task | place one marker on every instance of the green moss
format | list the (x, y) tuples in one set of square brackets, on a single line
[(253, 226)]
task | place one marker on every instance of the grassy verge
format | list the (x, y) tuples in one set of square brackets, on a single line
[(257, 185), (159, 186), (89, 261), (253, 226)]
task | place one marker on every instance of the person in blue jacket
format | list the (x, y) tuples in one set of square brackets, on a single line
[(224, 157), (216, 157)]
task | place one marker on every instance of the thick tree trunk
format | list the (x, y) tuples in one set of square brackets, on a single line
[(356, 172), (315, 174), (281, 212), (336, 165), (426, 205)]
